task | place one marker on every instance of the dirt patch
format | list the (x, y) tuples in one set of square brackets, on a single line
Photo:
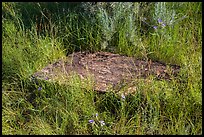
[(106, 69)]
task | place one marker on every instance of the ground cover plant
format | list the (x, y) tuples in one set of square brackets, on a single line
[(37, 34)]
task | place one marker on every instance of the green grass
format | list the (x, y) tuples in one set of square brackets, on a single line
[(157, 107)]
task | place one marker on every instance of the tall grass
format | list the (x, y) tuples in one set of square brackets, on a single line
[(36, 34)]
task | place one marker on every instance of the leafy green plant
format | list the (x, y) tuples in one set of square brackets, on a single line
[(167, 32)]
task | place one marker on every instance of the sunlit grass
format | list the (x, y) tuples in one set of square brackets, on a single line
[(156, 107)]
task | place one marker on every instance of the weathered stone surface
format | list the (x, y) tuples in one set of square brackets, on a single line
[(107, 70)]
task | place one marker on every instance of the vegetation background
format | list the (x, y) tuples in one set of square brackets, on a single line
[(36, 34)]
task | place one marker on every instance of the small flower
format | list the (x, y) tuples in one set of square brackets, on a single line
[(155, 27), (91, 121), (163, 25), (159, 20), (40, 88), (46, 78), (102, 122), (96, 114), (123, 96)]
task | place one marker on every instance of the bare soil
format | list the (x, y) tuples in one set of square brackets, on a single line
[(107, 69)]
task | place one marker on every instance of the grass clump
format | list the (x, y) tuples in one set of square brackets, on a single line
[(36, 34)]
